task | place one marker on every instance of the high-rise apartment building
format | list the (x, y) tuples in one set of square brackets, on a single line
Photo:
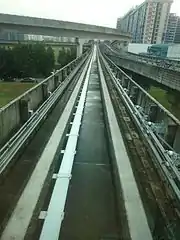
[(118, 26), (147, 22), (171, 28), (177, 34)]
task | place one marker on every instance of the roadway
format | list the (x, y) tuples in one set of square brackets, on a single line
[(94, 173)]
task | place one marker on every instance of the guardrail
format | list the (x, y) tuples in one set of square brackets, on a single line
[(36, 115), (18, 111), (161, 130), (55, 216)]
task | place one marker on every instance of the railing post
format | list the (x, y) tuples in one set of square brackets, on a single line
[(64, 73), (56, 81), (60, 76), (45, 91), (134, 94), (24, 111), (69, 70)]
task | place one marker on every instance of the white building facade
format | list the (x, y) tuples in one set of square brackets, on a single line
[(171, 28), (147, 22)]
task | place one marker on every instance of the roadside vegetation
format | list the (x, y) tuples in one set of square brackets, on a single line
[(9, 91), (26, 60), (169, 101), (66, 56), (24, 63)]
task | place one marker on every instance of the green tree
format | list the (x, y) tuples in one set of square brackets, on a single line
[(50, 59), (62, 57), (26, 60), (66, 56)]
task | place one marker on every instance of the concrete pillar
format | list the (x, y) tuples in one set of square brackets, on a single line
[(80, 43), (140, 98), (134, 94), (160, 115), (171, 135), (129, 85), (153, 113), (116, 72), (120, 75), (24, 111), (125, 81), (148, 105)]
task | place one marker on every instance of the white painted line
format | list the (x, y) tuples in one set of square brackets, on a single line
[(42, 215), (92, 164), (22, 214), (52, 223)]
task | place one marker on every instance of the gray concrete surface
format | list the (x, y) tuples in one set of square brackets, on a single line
[(135, 213), (22, 214), (10, 115), (91, 210), (51, 27)]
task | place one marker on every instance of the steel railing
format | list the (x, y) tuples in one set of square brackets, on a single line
[(167, 159), (11, 148)]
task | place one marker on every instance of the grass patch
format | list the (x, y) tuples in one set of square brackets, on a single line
[(160, 96), (11, 90)]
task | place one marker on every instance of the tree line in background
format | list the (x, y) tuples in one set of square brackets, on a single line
[(26, 60), (66, 56), (31, 60)]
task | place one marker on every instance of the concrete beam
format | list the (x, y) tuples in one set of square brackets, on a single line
[(48, 27)]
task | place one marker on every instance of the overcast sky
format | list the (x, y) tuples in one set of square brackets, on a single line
[(99, 12)]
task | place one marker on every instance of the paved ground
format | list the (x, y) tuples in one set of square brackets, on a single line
[(91, 210)]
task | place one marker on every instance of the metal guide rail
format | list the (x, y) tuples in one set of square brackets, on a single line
[(55, 212), (25, 210), (133, 207), (54, 215), (159, 127), (11, 148)]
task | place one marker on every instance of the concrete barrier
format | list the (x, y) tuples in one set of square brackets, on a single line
[(9, 120), (167, 77), (17, 112)]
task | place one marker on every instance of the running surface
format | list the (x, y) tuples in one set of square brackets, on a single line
[(90, 211)]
